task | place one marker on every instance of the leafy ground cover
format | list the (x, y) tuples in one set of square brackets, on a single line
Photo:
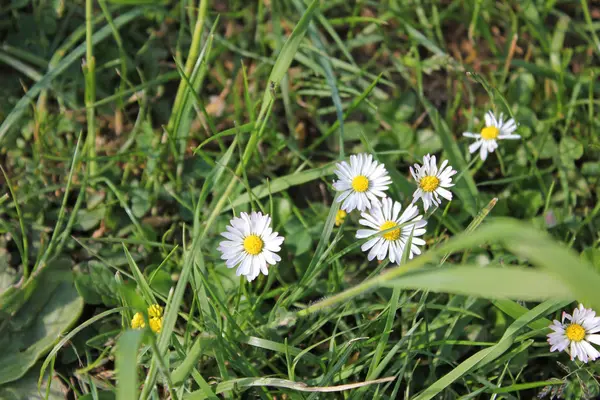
[(133, 131)]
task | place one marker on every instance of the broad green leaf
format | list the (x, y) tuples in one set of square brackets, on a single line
[(38, 324), (592, 255), (8, 275), (26, 388), (96, 283), (570, 149)]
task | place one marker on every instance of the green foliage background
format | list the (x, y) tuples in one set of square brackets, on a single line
[(132, 130)]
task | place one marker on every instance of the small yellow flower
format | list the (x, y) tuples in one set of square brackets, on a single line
[(155, 311), (339, 217), (138, 321), (156, 324)]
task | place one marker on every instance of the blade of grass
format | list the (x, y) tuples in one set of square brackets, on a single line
[(139, 278), (89, 72), (126, 364), (490, 282)]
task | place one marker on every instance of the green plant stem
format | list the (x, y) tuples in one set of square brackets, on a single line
[(191, 58), (190, 62), (89, 71)]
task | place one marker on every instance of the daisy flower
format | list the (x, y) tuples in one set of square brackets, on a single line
[(575, 336), (251, 246), (386, 216), (495, 129), (361, 182), (432, 181)]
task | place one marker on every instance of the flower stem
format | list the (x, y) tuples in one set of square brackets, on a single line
[(89, 72)]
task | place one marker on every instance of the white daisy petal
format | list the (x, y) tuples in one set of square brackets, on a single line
[(483, 152), (489, 119), (370, 243), (575, 335), (509, 136), (362, 182), (364, 233), (251, 246), (444, 193), (474, 146), (593, 338)]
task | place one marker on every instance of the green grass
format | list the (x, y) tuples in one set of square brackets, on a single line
[(131, 131)]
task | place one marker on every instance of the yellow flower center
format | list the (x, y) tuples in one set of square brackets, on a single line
[(339, 217), (360, 183), (155, 311), (429, 183), (575, 332), (156, 324), (253, 244), (489, 133), (391, 235)]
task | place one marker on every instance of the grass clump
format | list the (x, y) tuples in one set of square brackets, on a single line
[(404, 194)]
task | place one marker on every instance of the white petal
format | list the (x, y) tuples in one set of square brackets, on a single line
[(474, 146), (375, 249), (591, 352), (364, 233), (444, 193), (369, 243), (509, 136), (490, 119), (593, 338), (483, 153)]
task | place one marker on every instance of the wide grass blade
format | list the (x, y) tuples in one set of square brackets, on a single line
[(126, 364), (489, 282)]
